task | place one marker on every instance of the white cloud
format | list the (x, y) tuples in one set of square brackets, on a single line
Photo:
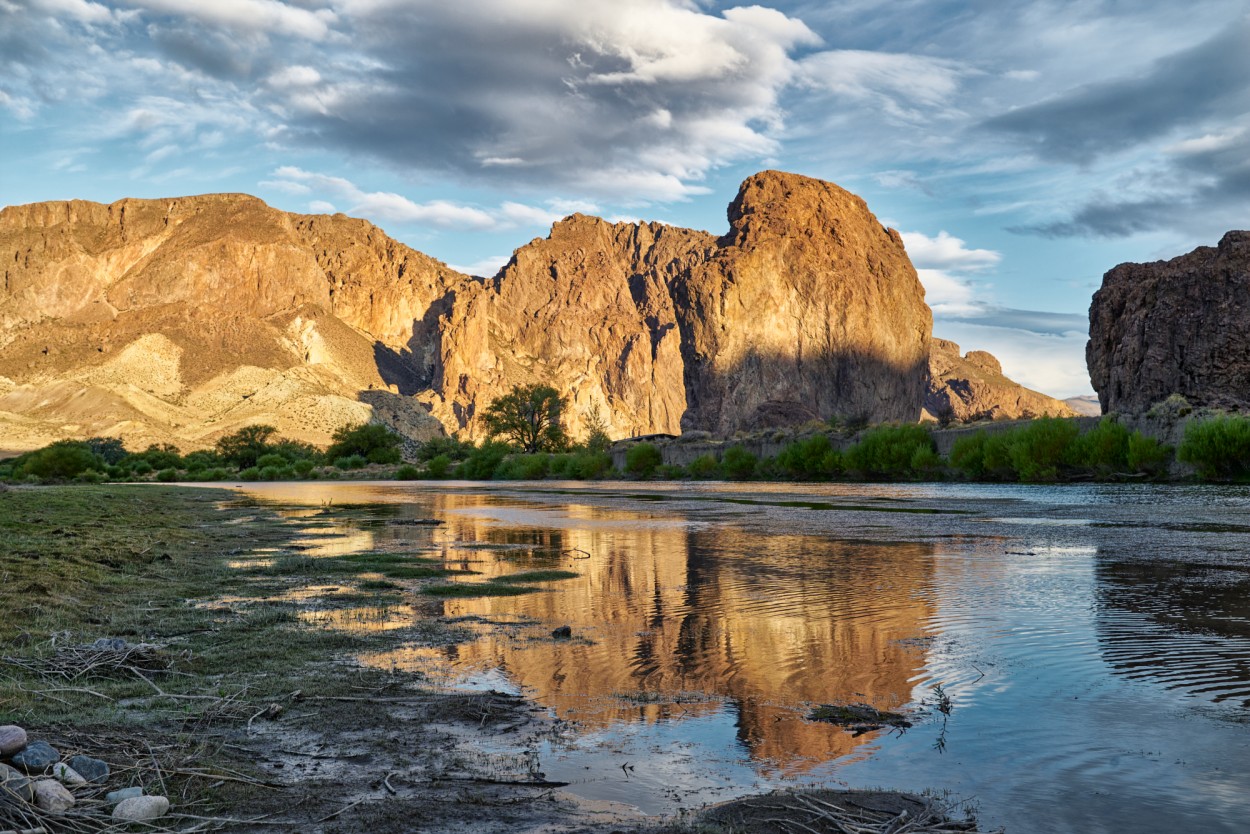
[(321, 207), (295, 76), (1207, 143), (247, 15), (947, 252), (78, 9), (899, 83), (486, 267)]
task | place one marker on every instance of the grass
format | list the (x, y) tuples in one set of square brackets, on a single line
[(477, 589)]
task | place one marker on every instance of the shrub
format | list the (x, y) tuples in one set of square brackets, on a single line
[(250, 474), (62, 460), (481, 464), (293, 450), (142, 468), (373, 442), (89, 476), (167, 476), (892, 451), (448, 447), (968, 455), (642, 460), (1037, 450), (524, 468), (1218, 447), (590, 465), (1145, 454), (200, 460), (1103, 448), (108, 449), (351, 462), (407, 472), (163, 456), (303, 467), (810, 458), (270, 459), (703, 467), (671, 472), (738, 464), (438, 466), (242, 448)]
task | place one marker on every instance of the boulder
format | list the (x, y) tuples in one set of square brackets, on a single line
[(15, 786), (36, 757), (1174, 327), (66, 775), (93, 770), (114, 797), (12, 739)]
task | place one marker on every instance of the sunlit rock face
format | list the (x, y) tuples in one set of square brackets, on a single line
[(181, 320), (973, 387), (1174, 327), (807, 309)]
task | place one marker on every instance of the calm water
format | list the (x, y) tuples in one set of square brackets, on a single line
[(1094, 641)]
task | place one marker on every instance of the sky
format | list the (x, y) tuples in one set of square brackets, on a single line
[(1022, 147)]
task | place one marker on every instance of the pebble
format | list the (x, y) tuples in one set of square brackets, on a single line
[(12, 739), (14, 784), (141, 808), (37, 757), (93, 770), (52, 796), (563, 633), (114, 797), (66, 775)]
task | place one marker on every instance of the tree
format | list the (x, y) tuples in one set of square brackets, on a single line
[(246, 445), (372, 441), (597, 439), (529, 417)]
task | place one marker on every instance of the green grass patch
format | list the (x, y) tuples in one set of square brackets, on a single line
[(477, 589), (538, 576)]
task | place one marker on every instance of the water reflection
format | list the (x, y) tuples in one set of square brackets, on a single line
[(1185, 626)]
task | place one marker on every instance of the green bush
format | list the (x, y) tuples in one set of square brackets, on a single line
[(374, 442), (590, 465), (270, 459), (167, 476), (242, 448), (351, 462), (163, 456), (482, 462), (642, 460), (892, 451), (250, 474), (703, 468), (524, 468), (448, 447), (671, 472), (62, 460), (142, 468), (89, 476), (303, 467), (738, 464), (1037, 450), (1218, 447), (407, 472), (1145, 454), (108, 449), (1103, 449), (807, 459), (968, 456), (438, 466)]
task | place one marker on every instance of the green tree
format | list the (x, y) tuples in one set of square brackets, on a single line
[(374, 442), (642, 460), (597, 439), (529, 417), (242, 448)]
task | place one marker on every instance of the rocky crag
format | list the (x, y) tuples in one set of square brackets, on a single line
[(1174, 327), (181, 320), (972, 387)]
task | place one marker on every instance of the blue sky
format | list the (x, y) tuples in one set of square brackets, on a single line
[(1023, 147)]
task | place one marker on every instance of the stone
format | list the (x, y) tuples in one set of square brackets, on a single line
[(563, 633), (66, 775), (93, 770), (36, 757), (141, 809), (12, 739), (114, 797), (1174, 327), (15, 786), (973, 387), (53, 797)]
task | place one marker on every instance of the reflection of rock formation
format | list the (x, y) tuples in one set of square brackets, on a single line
[(767, 621), (1181, 625)]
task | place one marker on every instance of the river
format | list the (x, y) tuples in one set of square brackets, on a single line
[(1090, 643)]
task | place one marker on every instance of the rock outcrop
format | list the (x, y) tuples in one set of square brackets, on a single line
[(182, 320), (973, 387), (808, 308), (1174, 327)]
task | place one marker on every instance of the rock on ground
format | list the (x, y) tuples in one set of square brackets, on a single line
[(12, 739), (52, 796), (93, 770), (141, 808), (36, 757)]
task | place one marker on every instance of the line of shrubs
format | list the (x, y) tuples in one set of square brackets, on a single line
[(1047, 449)]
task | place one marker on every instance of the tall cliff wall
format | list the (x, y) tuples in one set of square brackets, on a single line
[(1174, 327), (180, 320)]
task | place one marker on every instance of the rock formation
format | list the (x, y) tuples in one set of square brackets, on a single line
[(181, 320), (1174, 327), (972, 387)]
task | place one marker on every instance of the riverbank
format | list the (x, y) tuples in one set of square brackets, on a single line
[(247, 711)]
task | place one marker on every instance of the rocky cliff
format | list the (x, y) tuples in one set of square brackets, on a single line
[(973, 387), (180, 320), (1174, 327)]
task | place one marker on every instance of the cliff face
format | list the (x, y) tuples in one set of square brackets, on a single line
[(973, 387), (181, 320), (1174, 327), (808, 308)]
